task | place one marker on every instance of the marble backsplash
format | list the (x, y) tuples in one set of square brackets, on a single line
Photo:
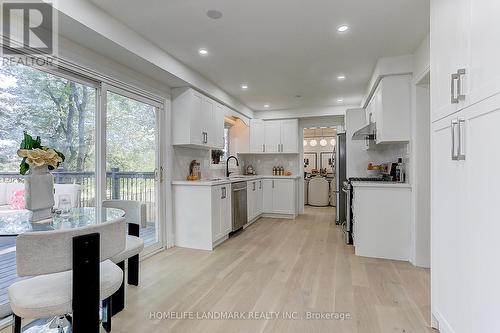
[(263, 164)]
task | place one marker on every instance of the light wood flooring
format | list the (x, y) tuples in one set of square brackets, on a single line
[(292, 266)]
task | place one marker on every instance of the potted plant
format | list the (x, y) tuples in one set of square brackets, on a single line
[(216, 155), (36, 162)]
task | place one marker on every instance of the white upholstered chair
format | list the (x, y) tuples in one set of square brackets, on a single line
[(319, 192), (135, 216), (70, 274)]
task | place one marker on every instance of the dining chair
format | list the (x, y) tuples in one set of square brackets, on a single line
[(135, 216), (70, 274)]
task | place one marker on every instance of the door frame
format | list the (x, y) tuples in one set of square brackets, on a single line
[(101, 149)]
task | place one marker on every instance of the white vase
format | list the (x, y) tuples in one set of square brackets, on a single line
[(39, 186)]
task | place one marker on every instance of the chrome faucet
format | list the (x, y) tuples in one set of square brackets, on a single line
[(227, 164)]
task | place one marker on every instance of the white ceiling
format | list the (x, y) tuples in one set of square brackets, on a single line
[(281, 48)]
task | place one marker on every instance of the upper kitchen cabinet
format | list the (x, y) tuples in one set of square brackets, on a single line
[(272, 129), (274, 136), (198, 121), (257, 136), (464, 60), (389, 109), (449, 22), (289, 136)]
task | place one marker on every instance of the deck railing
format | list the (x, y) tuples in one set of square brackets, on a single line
[(121, 185)]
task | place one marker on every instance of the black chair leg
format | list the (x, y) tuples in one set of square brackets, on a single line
[(118, 298), (17, 325), (133, 270), (107, 306)]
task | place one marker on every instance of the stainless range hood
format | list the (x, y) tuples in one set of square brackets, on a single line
[(368, 132)]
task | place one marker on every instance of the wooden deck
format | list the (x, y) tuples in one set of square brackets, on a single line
[(8, 264)]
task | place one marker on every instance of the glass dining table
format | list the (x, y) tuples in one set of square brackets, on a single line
[(15, 222)]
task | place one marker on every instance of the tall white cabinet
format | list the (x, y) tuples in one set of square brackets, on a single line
[(465, 101)]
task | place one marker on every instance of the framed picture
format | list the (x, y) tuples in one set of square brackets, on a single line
[(310, 162), (326, 161)]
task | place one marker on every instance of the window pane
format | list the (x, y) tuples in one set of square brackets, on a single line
[(62, 113), (131, 148)]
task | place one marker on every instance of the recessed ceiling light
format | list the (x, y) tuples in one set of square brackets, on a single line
[(340, 100), (266, 106), (203, 52), (343, 28), (244, 86), (214, 14), (341, 77)]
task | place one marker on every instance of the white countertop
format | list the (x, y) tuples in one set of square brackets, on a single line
[(222, 181), (380, 184)]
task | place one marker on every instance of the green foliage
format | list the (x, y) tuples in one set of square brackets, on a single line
[(62, 112)]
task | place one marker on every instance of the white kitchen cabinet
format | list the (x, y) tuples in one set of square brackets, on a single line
[(484, 53), (462, 32), (267, 205), (382, 219), (279, 196), (391, 109), (202, 215), (274, 136), (257, 136), (217, 139), (464, 217), (289, 136), (259, 197), (251, 201), (197, 120), (272, 129), (448, 39), (254, 199)]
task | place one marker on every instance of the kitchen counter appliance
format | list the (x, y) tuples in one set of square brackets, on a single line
[(239, 205)]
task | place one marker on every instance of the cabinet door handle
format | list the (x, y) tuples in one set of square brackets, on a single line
[(253, 186), (454, 77), (273, 183), (263, 148), (223, 193), (460, 73), (260, 185), (454, 156), (461, 139)]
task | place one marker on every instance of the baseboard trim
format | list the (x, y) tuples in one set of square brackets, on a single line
[(442, 324)]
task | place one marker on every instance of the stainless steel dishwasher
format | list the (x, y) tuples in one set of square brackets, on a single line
[(239, 204)]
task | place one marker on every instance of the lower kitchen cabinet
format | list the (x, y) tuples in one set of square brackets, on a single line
[(202, 215), (255, 191), (279, 197), (381, 221)]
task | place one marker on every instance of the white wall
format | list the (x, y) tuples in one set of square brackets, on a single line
[(357, 157), (420, 156), (89, 15), (309, 112)]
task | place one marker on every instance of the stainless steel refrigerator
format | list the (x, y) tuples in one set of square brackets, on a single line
[(340, 176)]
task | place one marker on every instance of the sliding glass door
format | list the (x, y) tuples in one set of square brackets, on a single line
[(133, 171), (61, 110)]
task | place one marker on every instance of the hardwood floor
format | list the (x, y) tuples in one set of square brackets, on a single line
[(295, 266)]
